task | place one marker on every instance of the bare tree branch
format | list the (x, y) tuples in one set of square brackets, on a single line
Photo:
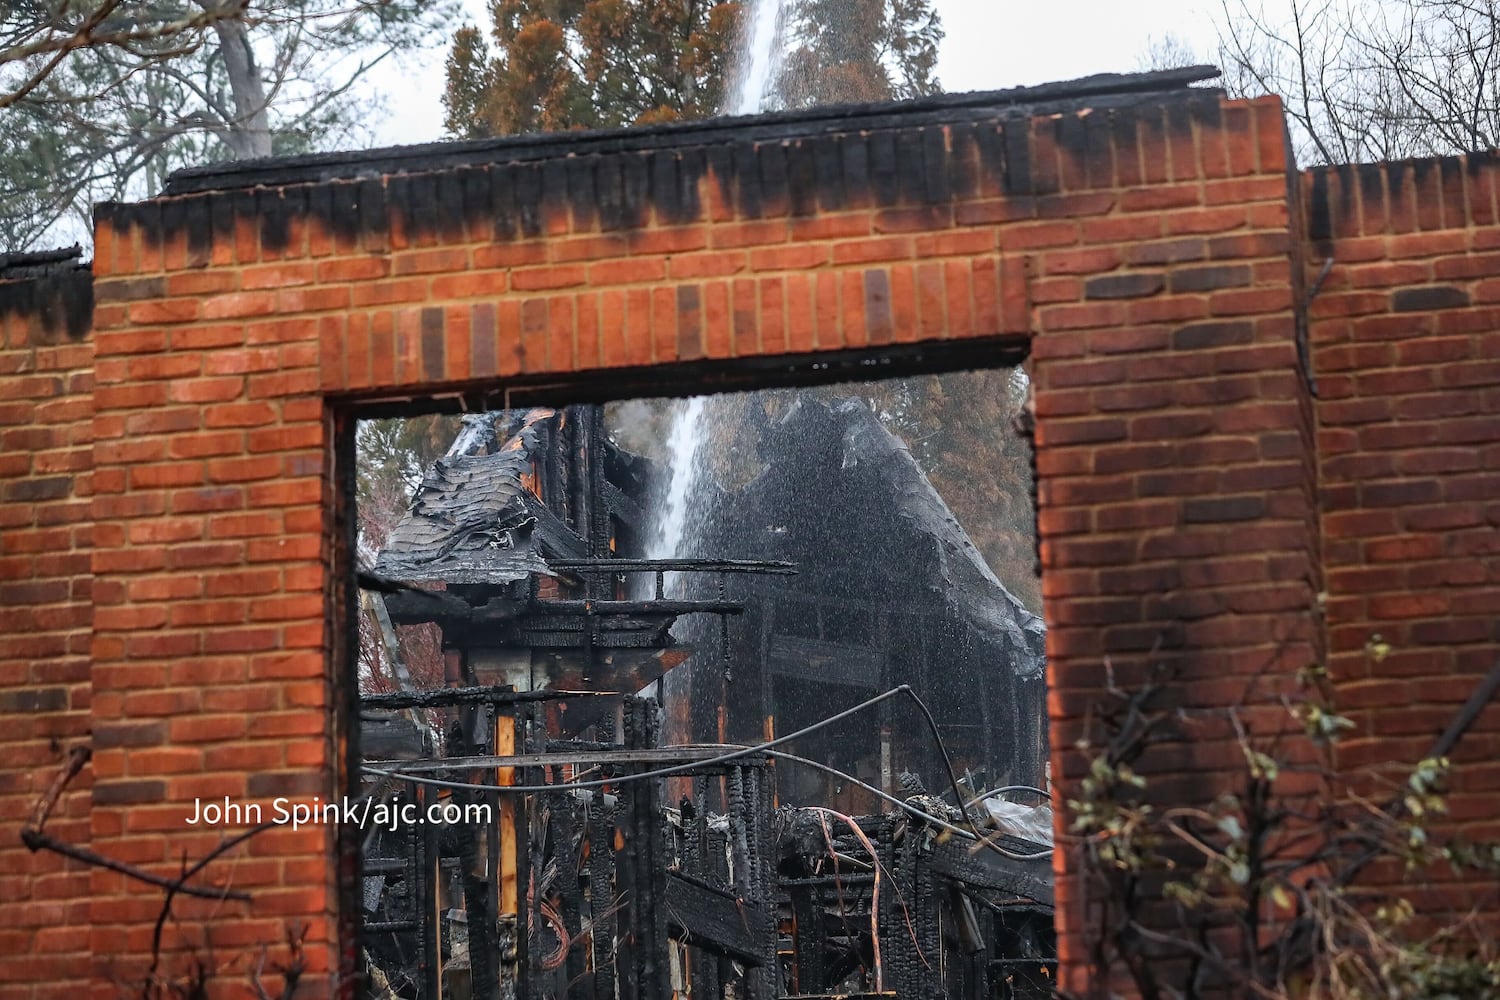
[(35, 838)]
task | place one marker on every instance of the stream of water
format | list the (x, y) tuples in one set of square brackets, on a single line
[(755, 78), (760, 61), (684, 441)]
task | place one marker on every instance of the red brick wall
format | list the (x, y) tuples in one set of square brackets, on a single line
[(45, 612), (211, 676), (1176, 490), (1150, 258), (1406, 337), (1147, 252)]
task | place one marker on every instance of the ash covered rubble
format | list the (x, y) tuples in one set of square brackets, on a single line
[(740, 873)]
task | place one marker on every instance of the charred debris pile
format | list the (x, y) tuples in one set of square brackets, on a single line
[(615, 824)]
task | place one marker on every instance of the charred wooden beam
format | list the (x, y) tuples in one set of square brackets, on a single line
[(449, 609), (620, 504), (450, 697), (773, 567), (986, 869), (716, 921), (664, 607), (556, 536), (659, 757), (810, 940)]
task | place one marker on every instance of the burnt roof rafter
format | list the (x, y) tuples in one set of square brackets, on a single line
[(1097, 91)]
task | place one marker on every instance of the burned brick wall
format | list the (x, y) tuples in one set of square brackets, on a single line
[(1145, 248), (1406, 346), (46, 612), (1175, 495)]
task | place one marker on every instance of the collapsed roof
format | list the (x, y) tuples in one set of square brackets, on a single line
[(474, 520), (843, 496)]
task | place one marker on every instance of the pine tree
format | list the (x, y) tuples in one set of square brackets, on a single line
[(545, 65), (561, 64), (848, 51)]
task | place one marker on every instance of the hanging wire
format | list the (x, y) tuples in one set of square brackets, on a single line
[(874, 891), (764, 748), (1011, 788), (909, 808), (659, 772)]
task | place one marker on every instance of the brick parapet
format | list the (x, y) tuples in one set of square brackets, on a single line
[(1406, 336)]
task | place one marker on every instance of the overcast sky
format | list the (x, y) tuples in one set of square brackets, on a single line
[(989, 45)]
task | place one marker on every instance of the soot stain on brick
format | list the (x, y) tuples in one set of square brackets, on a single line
[(1396, 178), (775, 198), (476, 189), (884, 178), (746, 179), (554, 193), (827, 155), (449, 192), (1180, 122), (662, 175), (421, 212), (635, 200), (938, 177), (583, 194), (528, 189), (1016, 135), (911, 169), (52, 289), (989, 138), (1319, 220), (884, 163), (1072, 137), (1477, 163), (686, 206), (1421, 169), (1348, 210), (274, 233), (220, 210), (963, 159), (802, 176), (609, 194), (1451, 168), (856, 159), (1372, 186)]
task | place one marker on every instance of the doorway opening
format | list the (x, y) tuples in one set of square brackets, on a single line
[(739, 695)]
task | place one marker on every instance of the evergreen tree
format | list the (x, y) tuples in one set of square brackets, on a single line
[(847, 51), (558, 64), (561, 64)]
